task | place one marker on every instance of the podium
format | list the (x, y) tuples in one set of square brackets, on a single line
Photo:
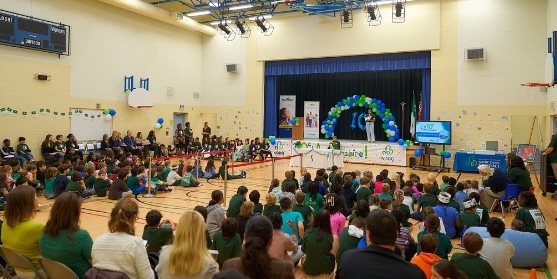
[(298, 130)]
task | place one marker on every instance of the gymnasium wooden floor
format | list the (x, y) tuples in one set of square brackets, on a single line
[(95, 212)]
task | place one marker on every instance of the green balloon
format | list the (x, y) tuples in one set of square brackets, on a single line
[(329, 122), (388, 110), (353, 104), (337, 107), (105, 111), (373, 105), (384, 125), (408, 142), (345, 101), (326, 136)]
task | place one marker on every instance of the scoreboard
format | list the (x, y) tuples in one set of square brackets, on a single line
[(23, 31)]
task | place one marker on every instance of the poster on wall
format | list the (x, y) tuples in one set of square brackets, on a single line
[(287, 110), (311, 119)]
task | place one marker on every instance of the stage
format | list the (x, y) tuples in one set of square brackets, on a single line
[(353, 151)]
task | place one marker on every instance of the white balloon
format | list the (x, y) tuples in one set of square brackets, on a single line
[(392, 133), (374, 109), (157, 125), (361, 105), (108, 117), (391, 122)]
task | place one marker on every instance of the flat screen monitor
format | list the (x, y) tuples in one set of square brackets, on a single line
[(433, 132)]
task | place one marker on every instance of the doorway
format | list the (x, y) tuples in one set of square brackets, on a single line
[(178, 117)]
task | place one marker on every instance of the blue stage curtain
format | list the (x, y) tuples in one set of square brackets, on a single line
[(426, 94), (362, 63), (270, 107)]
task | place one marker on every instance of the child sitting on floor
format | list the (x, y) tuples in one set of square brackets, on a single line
[(157, 233), (468, 217), (101, 184), (471, 262), (188, 180), (227, 241), (271, 205)]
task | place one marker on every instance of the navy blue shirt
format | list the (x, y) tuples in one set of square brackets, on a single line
[(498, 181)]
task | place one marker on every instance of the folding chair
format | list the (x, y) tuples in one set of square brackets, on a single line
[(56, 270), (511, 194), (16, 260)]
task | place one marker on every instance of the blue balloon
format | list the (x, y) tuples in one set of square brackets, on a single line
[(391, 138), (324, 122), (418, 152), (113, 112), (330, 134), (292, 121), (356, 97), (340, 104), (391, 117), (366, 105), (373, 100), (382, 115), (401, 142), (334, 120), (273, 141), (160, 120), (405, 146), (447, 154)]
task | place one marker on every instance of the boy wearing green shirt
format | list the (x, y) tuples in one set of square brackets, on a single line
[(288, 179), (470, 262), (364, 193), (481, 210), (23, 151), (350, 236), (468, 217), (157, 233), (224, 169), (133, 182), (227, 241), (188, 180), (101, 184), (305, 210), (236, 202), (427, 199)]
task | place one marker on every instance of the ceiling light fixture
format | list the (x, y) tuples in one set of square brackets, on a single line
[(198, 13), (242, 28), (373, 14), (240, 7), (399, 11), (264, 26), (226, 31)]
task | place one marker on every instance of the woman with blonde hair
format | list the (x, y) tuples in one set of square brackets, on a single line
[(120, 250), (188, 256), (20, 232), (63, 240)]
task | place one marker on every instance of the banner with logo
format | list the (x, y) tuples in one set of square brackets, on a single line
[(287, 110), (376, 153), (311, 119)]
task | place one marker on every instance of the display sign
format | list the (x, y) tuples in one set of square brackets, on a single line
[(23, 31), (434, 132)]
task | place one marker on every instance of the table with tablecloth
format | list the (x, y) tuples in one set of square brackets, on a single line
[(317, 158), (469, 162)]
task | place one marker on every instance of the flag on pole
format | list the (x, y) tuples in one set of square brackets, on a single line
[(413, 115), (420, 108)]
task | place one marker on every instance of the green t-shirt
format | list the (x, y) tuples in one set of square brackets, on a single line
[(454, 204), (331, 177), (132, 183), (363, 193), (319, 260), (189, 132), (443, 249), (305, 186), (156, 238), (426, 200), (49, 185), (316, 203), (443, 186), (524, 214), (521, 177), (469, 219), (22, 148), (305, 210), (74, 254), (234, 206), (101, 187), (435, 190), (258, 207), (228, 246), (165, 173), (187, 179), (269, 209), (74, 186), (473, 266), (385, 196), (208, 239), (89, 181), (286, 181), (553, 155), (346, 242), (405, 213)]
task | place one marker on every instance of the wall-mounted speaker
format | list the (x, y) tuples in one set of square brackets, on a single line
[(232, 68), (475, 54)]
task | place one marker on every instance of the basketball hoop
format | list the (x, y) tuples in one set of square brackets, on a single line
[(534, 90)]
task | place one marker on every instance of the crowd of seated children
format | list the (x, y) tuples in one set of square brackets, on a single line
[(157, 232)]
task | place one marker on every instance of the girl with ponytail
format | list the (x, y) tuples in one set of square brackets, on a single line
[(120, 250), (255, 261), (444, 269), (320, 246), (215, 212)]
